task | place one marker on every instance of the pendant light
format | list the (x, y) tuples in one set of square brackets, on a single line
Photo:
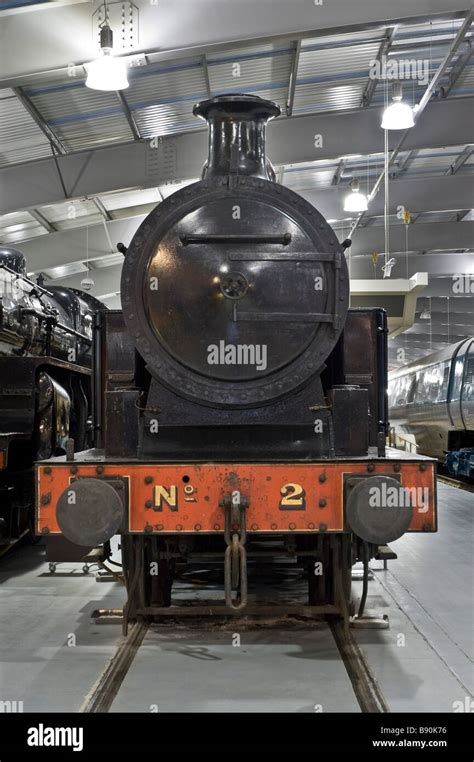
[(355, 201), (399, 115), (106, 72)]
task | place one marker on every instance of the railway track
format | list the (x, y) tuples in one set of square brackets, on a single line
[(458, 483), (360, 677)]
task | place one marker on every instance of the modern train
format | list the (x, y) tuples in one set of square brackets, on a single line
[(46, 337), (432, 406), (242, 408)]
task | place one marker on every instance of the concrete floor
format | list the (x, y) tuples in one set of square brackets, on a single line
[(51, 652), (429, 591)]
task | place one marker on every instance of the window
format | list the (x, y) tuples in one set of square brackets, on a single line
[(458, 373), (468, 386)]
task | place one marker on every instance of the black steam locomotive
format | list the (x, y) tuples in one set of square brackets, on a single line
[(45, 383), (242, 410)]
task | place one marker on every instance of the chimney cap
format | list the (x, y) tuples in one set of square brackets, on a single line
[(237, 105)]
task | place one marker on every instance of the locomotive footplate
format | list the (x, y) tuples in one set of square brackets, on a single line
[(289, 498)]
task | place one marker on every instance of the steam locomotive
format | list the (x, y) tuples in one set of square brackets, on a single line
[(45, 383), (242, 407)]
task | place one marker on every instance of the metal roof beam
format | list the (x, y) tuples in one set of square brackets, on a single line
[(293, 78), (46, 224), (338, 173), (101, 208), (421, 237), (207, 29), (290, 141), (128, 115), (440, 194), (383, 51), (67, 246), (430, 89), (205, 69), (404, 164), (458, 70), (42, 124), (432, 86), (461, 159)]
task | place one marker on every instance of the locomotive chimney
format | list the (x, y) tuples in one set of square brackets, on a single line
[(237, 135)]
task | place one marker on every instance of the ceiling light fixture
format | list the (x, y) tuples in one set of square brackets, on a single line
[(107, 72), (355, 201), (399, 115)]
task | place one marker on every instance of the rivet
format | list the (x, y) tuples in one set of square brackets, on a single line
[(217, 527), (179, 527), (149, 504), (423, 466), (148, 528), (427, 527), (47, 470), (73, 469), (148, 479), (397, 467), (370, 467), (292, 525), (311, 525), (197, 527), (159, 527), (274, 526), (254, 526), (119, 485), (322, 503), (323, 527), (45, 530), (322, 477), (100, 469), (45, 499)]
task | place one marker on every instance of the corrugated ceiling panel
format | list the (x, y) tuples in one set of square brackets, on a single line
[(18, 233), (249, 51), (170, 188), (69, 99), (162, 84), (14, 218), (433, 30), (308, 179), (465, 83), (20, 137), (333, 79), (318, 64), (80, 221), (328, 97), (165, 119), (81, 117), (162, 102), (113, 201), (255, 75), (108, 261), (67, 210), (63, 271), (90, 133), (353, 38)]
